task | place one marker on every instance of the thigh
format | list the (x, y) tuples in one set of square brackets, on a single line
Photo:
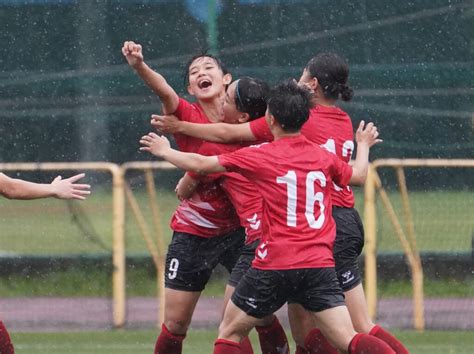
[(301, 322), (348, 246), (357, 306), (335, 324), (179, 309), (236, 323)]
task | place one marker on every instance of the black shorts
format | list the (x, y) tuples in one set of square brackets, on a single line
[(243, 264), (262, 292), (191, 259), (348, 246)]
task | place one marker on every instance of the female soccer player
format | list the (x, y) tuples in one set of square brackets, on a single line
[(294, 177), (326, 75), (14, 188), (245, 100), (206, 230)]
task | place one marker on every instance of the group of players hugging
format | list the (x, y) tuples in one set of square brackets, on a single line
[(266, 194)]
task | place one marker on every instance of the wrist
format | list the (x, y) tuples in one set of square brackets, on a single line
[(139, 66)]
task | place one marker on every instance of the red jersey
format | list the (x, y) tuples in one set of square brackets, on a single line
[(294, 177), (329, 127), (208, 212), (244, 196)]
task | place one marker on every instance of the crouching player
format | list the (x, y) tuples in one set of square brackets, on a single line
[(13, 188), (294, 260)]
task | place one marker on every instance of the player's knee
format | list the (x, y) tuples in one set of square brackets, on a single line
[(177, 326), (363, 326)]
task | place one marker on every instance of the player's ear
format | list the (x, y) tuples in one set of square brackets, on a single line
[(243, 117), (227, 79), (313, 84)]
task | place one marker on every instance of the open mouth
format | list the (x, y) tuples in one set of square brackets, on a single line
[(204, 84)]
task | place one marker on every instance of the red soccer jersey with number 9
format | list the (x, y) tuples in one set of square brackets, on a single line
[(329, 127), (294, 177)]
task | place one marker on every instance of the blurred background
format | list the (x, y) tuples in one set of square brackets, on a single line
[(67, 95)]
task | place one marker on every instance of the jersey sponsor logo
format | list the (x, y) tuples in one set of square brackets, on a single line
[(347, 277), (254, 223), (262, 252)]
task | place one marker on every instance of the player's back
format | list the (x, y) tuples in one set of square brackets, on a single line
[(331, 127), (294, 177)]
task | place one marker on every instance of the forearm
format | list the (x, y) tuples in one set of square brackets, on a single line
[(360, 165), (217, 132), (186, 186), (19, 189), (192, 162), (160, 87)]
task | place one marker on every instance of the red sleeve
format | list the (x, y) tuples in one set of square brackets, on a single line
[(260, 130), (245, 161)]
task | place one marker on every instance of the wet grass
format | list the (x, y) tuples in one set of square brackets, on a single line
[(201, 341)]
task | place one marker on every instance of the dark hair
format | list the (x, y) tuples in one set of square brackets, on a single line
[(251, 96), (332, 73), (290, 105), (204, 54)]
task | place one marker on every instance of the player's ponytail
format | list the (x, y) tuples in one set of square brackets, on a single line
[(346, 92)]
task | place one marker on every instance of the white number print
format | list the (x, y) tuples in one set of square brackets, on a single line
[(347, 150), (174, 265), (311, 198)]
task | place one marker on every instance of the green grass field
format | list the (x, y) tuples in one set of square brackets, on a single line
[(201, 342), (443, 223)]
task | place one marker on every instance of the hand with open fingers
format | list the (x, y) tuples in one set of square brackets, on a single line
[(133, 53), (154, 144), (69, 189), (168, 124), (367, 134)]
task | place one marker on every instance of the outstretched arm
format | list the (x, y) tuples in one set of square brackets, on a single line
[(168, 96), (160, 146), (365, 138), (217, 132), (12, 188)]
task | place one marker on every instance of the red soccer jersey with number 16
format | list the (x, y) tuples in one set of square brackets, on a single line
[(294, 177)]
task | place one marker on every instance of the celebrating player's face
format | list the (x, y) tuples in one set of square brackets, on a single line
[(206, 79), (231, 114)]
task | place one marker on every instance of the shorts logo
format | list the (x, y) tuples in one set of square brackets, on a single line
[(262, 252), (251, 302), (347, 277)]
